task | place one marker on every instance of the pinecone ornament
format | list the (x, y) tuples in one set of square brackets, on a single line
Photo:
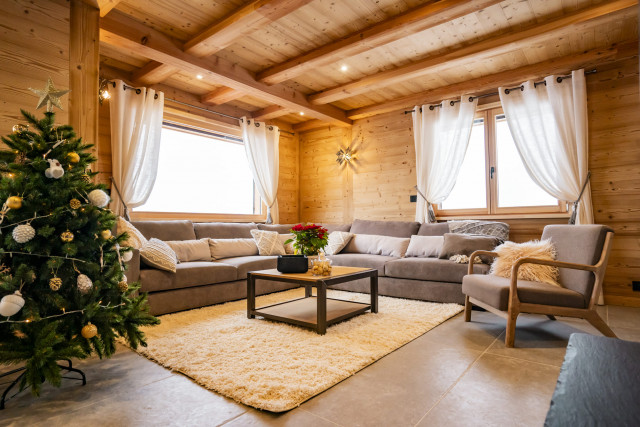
[(55, 283), (84, 284), (75, 204), (123, 285), (23, 233)]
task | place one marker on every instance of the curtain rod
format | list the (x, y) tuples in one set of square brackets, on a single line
[(559, 79), (138, 91)]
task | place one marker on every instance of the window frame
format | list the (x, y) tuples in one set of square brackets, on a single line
[(189, 125), (489, 114)]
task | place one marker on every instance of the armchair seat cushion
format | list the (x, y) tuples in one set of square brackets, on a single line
[(362, 260), (432, 269), (188, 274), (494, 290)]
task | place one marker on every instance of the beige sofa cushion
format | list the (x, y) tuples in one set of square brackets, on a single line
[(245, 264), (229, 248), (288, 247), (376, 262), (268, 242), (338, 240), (187, 275), (377, 245), (135, 239), (158, 254), (425, 246), (191, 250)]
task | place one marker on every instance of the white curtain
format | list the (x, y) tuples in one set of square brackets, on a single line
[(136, 123), (261, 145), (549, 126), (441, 136)]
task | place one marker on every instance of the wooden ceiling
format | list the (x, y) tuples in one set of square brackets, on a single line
[(341, 60)]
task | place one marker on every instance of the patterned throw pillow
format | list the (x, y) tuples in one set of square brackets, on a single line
[(136, 240), (268, 242), (158, 254), (338, 240), (288, 248)]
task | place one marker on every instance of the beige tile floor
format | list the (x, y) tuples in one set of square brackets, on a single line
[(458, 374)]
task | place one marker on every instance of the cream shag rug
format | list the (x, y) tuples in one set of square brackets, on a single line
[(275, 366)]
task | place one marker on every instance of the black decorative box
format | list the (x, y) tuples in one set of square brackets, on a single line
[(293, 263)]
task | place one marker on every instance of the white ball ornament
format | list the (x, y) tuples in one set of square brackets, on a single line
[(23, 233), (98, 198), (84, 284), (127, 256), (11, 304)]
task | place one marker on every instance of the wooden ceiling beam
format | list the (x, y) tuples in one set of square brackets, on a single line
[(106, 6), (489, 83), (408, 23), (270, 112), (221, 95), (223, 33), (120, 31), (477, 51), (309, 125)]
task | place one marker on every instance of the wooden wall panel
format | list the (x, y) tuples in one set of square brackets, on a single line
[(35, 46), (384, 174), (104, 145), (288, 193)]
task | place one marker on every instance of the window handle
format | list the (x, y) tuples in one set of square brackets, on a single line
[(493, 169)]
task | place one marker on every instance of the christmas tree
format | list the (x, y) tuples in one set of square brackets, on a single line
[(62, 283)]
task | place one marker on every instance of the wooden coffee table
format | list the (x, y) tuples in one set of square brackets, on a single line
[(315, 312)]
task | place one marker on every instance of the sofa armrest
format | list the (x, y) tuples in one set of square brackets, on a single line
[(133, 267), (476, 253)]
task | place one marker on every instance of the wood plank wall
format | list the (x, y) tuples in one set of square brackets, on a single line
[(384, 173), (35, 46)]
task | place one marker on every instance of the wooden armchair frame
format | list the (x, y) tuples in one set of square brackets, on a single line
[(516, 306)]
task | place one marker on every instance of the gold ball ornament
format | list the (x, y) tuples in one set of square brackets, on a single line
[(55, 283), (20, 128), (14, 202), (86, 178), (89, 331), (66, 236), (73, 157), (106, 234), (123, 285), (75, 203)]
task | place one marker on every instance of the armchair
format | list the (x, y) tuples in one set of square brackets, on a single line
[(582, 252)]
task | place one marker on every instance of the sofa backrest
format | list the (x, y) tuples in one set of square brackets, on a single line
[(433, 229), (224, 230), (336, 227), (166, 230), (385, 228), (279, 228)]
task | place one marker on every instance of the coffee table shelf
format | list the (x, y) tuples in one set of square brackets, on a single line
[(303, 311)]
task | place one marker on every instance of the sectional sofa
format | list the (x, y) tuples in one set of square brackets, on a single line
[(201, 283)]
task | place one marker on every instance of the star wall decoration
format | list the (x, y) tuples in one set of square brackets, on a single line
[(49, 96)]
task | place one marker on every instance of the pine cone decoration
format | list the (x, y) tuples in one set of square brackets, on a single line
[(55, 283)]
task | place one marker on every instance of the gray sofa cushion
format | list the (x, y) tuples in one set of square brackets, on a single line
[(466, 244), (336, 227), (362, 260), (432, 269), (385, 228), (187, 275), (224, 230), (251, 263), (435, 229), (279, 228), (166, 230), (494, 290)]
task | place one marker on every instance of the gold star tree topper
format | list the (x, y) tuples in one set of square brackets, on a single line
[(49, 96)]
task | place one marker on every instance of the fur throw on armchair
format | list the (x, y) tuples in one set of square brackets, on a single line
[(510, 252)]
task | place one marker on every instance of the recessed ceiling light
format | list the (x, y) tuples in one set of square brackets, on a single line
[(302, 113), (199, 76), (344, 68)]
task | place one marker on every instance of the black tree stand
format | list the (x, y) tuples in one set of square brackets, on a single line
[(69, 368)]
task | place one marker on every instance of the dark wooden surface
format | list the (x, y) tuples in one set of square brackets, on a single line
[(599, 384)]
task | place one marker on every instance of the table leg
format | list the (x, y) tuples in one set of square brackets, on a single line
[(374, 293), (321, 320), (308, 291), (251, 296)]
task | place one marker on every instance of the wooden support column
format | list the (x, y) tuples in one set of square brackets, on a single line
[(84, 58)]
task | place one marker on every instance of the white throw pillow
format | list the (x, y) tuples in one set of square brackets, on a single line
[(425, 246), (378, 245), (158, 254), (191, 250), (268, 242), (338, 240), (229, 248), (288, 248), (136, 240)]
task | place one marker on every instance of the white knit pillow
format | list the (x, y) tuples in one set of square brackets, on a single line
[(158, 254), (288, 248), (338, 240), (424, 246), (268, 242), (136, 239)]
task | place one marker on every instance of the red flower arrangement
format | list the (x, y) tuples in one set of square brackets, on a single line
[(309, 239)]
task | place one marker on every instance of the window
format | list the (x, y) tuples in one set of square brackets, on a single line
[(202, 172), (493, 179)]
